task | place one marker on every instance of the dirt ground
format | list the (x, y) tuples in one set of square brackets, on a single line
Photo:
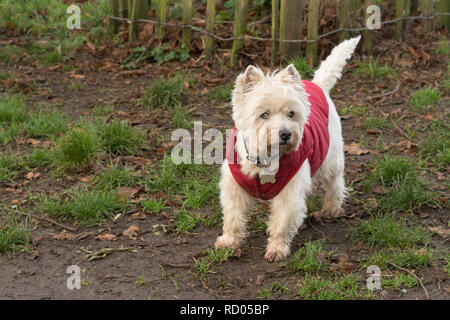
[(166, 261)]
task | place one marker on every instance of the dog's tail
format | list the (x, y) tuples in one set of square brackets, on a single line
[(331, 69)]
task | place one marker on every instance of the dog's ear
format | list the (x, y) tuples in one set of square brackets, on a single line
[(249, 78), (290, 73)]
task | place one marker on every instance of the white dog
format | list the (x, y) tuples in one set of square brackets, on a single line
[(297, 121)]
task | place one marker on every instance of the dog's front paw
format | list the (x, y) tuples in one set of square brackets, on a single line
[(226, 241), (277, 252)]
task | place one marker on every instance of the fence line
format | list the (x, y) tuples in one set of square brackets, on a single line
[(248, 37)]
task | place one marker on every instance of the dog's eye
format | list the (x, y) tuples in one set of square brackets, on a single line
[(291, 114), (265, 115)]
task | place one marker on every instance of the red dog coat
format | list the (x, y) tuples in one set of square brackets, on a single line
[(314, 146)]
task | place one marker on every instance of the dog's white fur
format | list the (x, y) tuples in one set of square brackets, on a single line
[(280, 93)]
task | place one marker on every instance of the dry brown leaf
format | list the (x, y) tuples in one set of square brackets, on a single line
[(132, 232), (64, 236), (128, 192), (440, 230), (107, 237), (355, 149)]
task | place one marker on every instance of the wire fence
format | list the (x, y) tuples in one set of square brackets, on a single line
[(249, 37)]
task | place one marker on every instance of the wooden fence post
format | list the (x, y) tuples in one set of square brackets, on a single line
[(161, 10), (427, 10), (313, 31), (123, 7), (240, 24), (210, 19), (368, 35), (445, 7), (187, 17), (113, 11), (275, 30), (344, 13), (291, 15), (139, 10), (400, 12)]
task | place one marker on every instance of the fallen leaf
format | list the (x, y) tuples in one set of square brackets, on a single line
[(355, 149), (132, 232), (440, 231), (128, 192), (107, 237)]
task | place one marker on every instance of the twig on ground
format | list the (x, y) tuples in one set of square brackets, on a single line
[(397, 87), (41, 218), (414, 275)]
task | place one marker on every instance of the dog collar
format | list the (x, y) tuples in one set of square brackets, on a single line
[(258, 161)]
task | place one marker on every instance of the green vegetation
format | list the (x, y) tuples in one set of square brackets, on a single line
[(14, 232), (387, 230), (373, 70), (86, 207), (424, 99), (78, 148), (165, 93), (302, 67), (330, 288), (307, 258), (214, 257), (118, 137)]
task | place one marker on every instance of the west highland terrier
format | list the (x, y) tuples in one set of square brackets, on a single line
[(297, 122)]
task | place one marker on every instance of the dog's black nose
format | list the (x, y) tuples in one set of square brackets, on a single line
[(285, 135)]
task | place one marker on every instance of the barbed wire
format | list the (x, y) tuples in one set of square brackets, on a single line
[(248, 37)]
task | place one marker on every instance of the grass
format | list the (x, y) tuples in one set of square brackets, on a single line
[(332, 288), (78, 148), (86, 207), (119, 138), (10, 132), (404, 189), (443, 49), (48, 17), (408, 195), (399, 282), (424, 99), (221, 93), (40, 157), (15, 117), (13, 109), (302, 67), (116, 176), (153, 205), (198, 193), (275, 290), (386, 230), (180, 118), (375, 122), (373, 70), (390, 169), (10, 166), (406, 257), (307, 258), (185, 221), (45, 124), (15, 233), (165, 93), (171, 178), (214, 256), (435, 148), (352, 109)]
